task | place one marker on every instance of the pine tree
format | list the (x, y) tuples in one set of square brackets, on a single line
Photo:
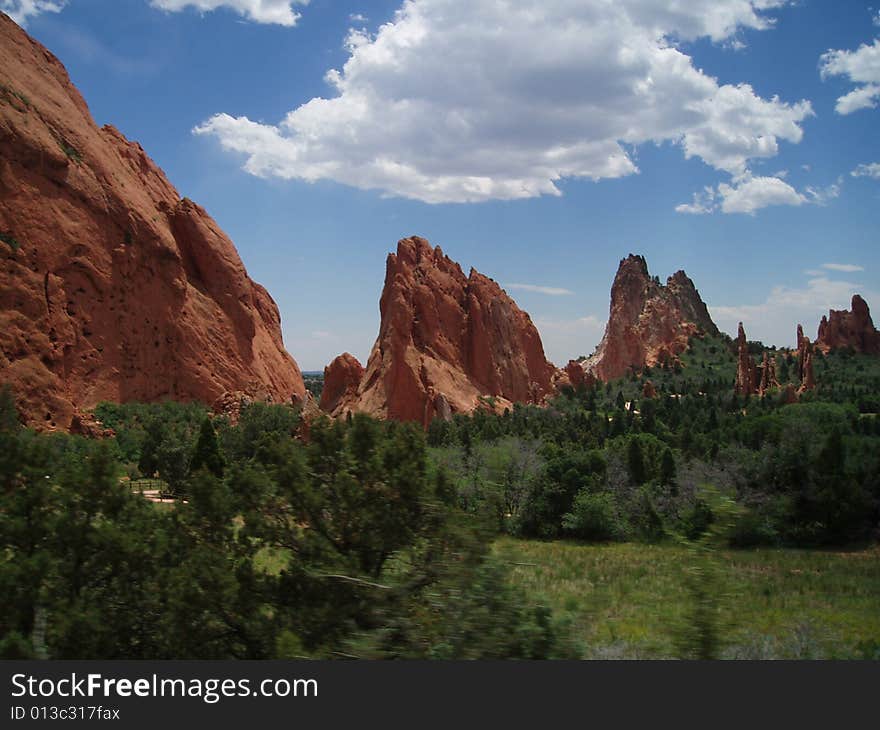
[(207, 453), (636, 462), (667, 468)]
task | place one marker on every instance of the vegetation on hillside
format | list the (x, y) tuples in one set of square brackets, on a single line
[(606, 524)]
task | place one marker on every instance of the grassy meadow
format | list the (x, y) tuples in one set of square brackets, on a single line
[(628, 600)]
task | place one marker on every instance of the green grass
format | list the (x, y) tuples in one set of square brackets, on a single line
[(626, 600)]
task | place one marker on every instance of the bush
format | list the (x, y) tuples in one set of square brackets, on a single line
[(594, 516)]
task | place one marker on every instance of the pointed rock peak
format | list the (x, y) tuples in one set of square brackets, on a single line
[(633, 263), (446, 343), (648, 322), (859, 306), (747, 374), (681, 279)]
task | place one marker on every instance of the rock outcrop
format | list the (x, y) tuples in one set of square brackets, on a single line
[(747, 377), (341, 380), (853, 328), (648, 323), (448, 343), (805, 362), (761, 379), (767, 375), (112, 287)]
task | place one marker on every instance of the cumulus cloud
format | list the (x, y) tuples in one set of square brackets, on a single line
[(861, 67), (553, 291), (774, 320), (278, 12), (871, 169), (457, 101), (749, 194), (21, 10), (756, 193)]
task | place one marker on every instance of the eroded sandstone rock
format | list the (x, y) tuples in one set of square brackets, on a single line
[(648, 323), (849, 328), (448, 343), (112, 287)]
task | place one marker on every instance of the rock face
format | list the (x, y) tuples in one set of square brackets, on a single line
[(448, 343), (111, 286), (805, 362), (854, 328), (747, 377), (341, 380), (767, 377), (648, 323), (761, 379)]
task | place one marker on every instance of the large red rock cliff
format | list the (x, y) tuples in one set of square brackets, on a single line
[(447, 344), (648, 322), (854, 328), (111, 286)]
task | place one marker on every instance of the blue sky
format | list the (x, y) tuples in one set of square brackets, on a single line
[(539, 142)]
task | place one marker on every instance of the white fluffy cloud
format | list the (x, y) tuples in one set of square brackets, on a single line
[(861, 67), (460, 101), (756, 193), (774, 320), (749, 194), (21, 10), (279, 12), (871, 169)]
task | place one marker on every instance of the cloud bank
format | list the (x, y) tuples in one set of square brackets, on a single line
[(278, 12), (457, 101)]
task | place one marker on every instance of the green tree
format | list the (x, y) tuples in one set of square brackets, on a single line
[(207, 453), (636, 462)]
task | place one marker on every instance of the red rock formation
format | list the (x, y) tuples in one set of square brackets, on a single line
[(802, 344), (788, 395), (111, 286), (574, 375), (855, 328), (808, 380), (747, 379), (648, 390), (84, 424), (767, 378), (448, 343), (648, 323), (341, 380), (805, 362)]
